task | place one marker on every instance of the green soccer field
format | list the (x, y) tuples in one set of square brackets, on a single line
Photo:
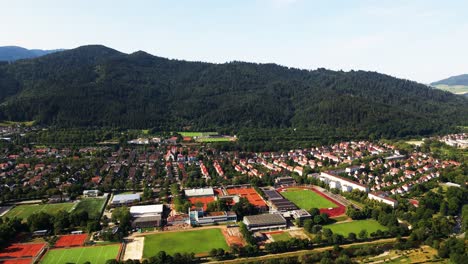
[(95, 255), (198, 241), (24, 211), (93, 206), (307, 199), (196, 134), (356, 227), (215, 139)]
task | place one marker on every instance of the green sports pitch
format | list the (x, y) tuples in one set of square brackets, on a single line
[(197, 134), (24, 211), (285, 236), (94, 206), (94, 254), (197, 241), (306, 199), (356, 227)]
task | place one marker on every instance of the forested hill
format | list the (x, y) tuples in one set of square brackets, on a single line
[(99, 86), (13, 53), (454, 80)]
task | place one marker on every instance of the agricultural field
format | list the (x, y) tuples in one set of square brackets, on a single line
[(94, 254), (197, 134), (93, 206), (24, 211), (284, 236), (456, 89), (356, 226), (307, 199), (198, 241)]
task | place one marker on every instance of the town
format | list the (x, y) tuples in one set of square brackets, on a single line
[(182, 196)]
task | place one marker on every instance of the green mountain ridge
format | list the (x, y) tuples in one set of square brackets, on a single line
[(98, 86), (454, 80), (13, 53)]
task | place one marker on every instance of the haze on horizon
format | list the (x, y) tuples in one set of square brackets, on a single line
[(418, 40)]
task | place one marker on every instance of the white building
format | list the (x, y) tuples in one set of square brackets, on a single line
[(344, 184), (199, 192), (383, 199), (146, 210)]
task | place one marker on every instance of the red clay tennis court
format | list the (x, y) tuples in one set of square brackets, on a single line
[(249, 193), (204, 200), (18, 261), (17, 251), (71, 240)]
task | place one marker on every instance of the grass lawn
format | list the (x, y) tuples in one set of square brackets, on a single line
[(24, 211), (197, 134), (93, 206), (95, 255), (356, 227), (285, 236), (197, 241), (307, 199)]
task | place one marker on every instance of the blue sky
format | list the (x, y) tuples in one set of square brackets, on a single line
[(418, 40)]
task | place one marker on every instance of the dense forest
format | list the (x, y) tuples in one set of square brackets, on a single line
[(99, 86)]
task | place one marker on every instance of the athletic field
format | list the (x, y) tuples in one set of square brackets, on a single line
[(24, 211), (285, 236), (197, 241), (306, 199), (356, 226), (94, 254), (197, 134), (93, 206)]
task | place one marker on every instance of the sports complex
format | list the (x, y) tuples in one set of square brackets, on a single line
[(308, 197)]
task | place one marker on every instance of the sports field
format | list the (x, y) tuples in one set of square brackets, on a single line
[(356, 226), (285, 236), (94, 254), (216, 139), (197, 134), (24, 211), (93, 206), (306, 199), (198, 241)]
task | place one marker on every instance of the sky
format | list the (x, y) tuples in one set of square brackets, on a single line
[(421, 40)]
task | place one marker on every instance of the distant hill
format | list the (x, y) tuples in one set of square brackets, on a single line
[(99, 86), (13, 53), (455, 84)]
